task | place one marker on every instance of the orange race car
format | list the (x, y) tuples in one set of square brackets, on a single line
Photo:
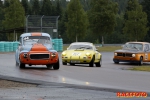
[(36, 49), (134, 52)]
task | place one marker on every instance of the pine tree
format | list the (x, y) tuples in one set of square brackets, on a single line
[(62, 27), (77, 21), (136, 22), (46, 8), (146, 8), (36, 7), (102, 17), (14, 15), (26, 6), (58, 9)]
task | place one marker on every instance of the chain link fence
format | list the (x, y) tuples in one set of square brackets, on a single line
[(42, 23)]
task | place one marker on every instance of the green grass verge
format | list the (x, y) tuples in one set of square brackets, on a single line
[(108, 48), (141, 68)]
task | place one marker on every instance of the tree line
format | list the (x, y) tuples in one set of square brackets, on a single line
[(97, 21)]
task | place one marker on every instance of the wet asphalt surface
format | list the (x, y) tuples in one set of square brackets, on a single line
[(78, 82)]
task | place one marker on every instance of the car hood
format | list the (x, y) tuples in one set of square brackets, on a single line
[(128, 50), (79, 52), (37, 47)]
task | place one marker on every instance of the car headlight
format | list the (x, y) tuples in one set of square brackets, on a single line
[(133, 55), (64, 53), (53, 54), (88, 54), (115, 54), (25, 55)]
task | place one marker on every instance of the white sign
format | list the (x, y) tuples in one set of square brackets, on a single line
[(54, 30)]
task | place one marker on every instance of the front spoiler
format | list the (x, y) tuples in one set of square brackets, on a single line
[(131, 61), (39, 62)]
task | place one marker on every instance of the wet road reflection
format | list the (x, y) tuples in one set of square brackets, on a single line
[(110, 75)]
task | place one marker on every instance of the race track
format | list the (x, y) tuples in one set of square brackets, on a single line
[(110, 75)]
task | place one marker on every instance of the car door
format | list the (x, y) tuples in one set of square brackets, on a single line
[(146, 53)]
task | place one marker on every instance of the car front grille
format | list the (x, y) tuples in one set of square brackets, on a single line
[(39, 56), (124, 54)]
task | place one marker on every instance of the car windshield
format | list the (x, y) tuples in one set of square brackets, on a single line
[(29, 40), (80, 47), (137, 46)]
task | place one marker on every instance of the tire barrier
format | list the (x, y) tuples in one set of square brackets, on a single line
[(15, 45), (12, 46), (58, 44), (2, 47), (8, 46)]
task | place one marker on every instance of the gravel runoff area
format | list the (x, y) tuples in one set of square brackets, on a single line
[(10, 84), (10, 90), (13, 90)]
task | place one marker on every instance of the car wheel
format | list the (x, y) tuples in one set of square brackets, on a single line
[(21, 65), (49, 66), (64, 63), (141, 61), (72, 64), (91, 64), (56, 66), (116, 62), (99, 63)]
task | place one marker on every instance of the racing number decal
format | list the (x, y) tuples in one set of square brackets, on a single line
[(25, 38), (75, 54), (146, 56)]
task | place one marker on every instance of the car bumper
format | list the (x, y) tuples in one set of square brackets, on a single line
[(37, 61), (131, 61), (77, 61)]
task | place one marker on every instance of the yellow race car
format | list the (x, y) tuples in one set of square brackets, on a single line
[(82, 53)]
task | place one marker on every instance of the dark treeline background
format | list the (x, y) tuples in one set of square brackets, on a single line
[(110, 21)]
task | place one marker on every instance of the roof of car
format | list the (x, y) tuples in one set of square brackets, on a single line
[(82, 43), (139, 42), (35, 34)]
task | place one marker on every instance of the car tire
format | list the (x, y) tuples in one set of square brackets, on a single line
[(64, 63), (72, 64), (49, 66), (56, 65), (91, 64), (21, 65), (141, 61), (116, 62), (99, 63)]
